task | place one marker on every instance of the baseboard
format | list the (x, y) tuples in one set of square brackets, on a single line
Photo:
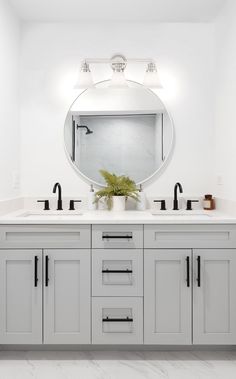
[(117, 347)]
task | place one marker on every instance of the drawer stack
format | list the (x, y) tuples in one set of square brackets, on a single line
[(117, 284)]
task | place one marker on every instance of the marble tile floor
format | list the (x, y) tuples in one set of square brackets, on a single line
[(118, 365)]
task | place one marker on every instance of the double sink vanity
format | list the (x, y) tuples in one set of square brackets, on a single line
[(154, 277), (100, 277)]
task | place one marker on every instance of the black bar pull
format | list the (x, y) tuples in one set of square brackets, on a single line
[(107, 271), (127, 319), (36, 271), (73, 139), (46, 271), (199, 271), (107, 236), (188, 271)]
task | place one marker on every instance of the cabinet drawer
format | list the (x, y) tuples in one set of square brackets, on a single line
[(117, 320), (189, 236), (117, 272), (50, 236), (117, 236)]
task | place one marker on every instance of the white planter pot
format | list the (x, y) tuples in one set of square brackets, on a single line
[(118, 203)]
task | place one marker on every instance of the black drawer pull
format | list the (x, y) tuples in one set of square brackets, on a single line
[(127, 319), (199, 271), (188, 271), (117, 271), (46, 271), (106, 236), (36, 271)]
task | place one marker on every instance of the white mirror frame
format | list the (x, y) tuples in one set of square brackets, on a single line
[(155, 173)]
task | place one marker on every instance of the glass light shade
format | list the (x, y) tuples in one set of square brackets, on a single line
[(85, 80), (118, 80), (152, 80)]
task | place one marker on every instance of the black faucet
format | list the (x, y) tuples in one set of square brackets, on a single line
[(59, 201), (175, 202)]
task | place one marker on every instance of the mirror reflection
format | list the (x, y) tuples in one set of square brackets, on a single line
[(125, 131)]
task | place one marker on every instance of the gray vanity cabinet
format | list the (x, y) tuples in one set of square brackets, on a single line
[(67, 296), (190, 301), (21, 297), (167, 297), (214, 296), (63, 278), (190, 291), (45, 281), (62, 285)]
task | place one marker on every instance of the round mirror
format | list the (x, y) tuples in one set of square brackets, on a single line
[(126, 131)]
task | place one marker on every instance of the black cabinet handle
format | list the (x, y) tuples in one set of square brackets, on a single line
[(46, 271), (188, 271), (117, 237), (199, 271), (127, 319), (36, 271), (117, 271)]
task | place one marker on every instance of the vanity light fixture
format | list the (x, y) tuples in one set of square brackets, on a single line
[(85, 79), (118, 64)]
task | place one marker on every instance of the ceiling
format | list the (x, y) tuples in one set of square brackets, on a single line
[(118, 10)]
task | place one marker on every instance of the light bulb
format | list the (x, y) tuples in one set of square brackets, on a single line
[(85, 79), (151, 78), (118, 80), (118, 66)]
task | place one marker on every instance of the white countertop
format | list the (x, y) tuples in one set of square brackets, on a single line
[(35, 217)]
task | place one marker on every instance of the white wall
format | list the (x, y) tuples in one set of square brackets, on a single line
[(225, 107), (9, 101), (51, 54)]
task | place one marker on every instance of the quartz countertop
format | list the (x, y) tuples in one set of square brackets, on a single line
[(35, 217)]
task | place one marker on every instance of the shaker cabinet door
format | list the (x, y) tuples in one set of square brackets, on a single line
[(167, 296), (214, 296), (67, 296), (20, 296)]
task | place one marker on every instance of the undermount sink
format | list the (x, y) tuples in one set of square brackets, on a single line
[(181, 214), (55, 214)]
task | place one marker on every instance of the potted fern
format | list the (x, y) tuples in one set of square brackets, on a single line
[(117, 190)]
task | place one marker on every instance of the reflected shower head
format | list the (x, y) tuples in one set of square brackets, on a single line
[(88, 131)]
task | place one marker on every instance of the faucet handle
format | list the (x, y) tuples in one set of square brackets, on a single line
[(189, 204), (72, 204), (46, 204), (163, 204)]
